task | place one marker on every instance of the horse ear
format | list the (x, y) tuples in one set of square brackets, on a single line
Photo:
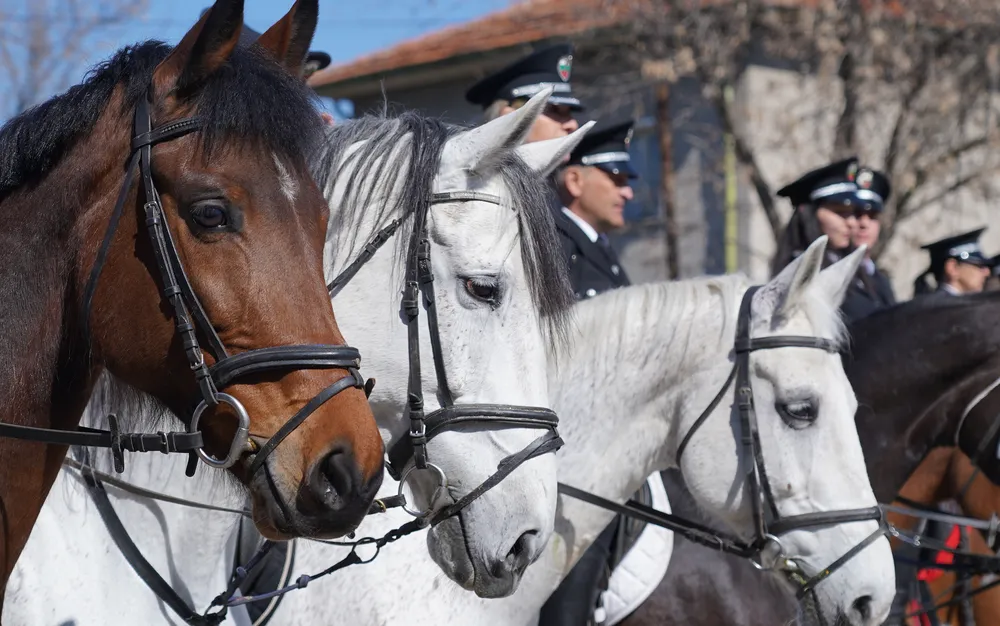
[(202, 51), (835, 280), (787, 289), (480, 149), (545, 156), (289, 38)]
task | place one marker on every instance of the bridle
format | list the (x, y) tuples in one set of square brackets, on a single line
[(423, 428), (765, 550), (190, 318)]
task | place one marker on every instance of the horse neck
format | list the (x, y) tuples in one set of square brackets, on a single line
[(41, 272), (639, 358)]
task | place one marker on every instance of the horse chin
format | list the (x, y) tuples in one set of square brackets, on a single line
[(447, 547)]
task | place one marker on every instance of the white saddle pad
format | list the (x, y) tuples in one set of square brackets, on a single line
[(645, 565)]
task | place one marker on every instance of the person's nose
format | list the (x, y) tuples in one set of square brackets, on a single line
[(627, 192), (570, 125)]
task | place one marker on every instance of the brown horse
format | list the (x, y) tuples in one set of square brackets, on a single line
[(216, 239), (947, 473)]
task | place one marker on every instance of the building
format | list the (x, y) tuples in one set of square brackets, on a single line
[(782, 110)]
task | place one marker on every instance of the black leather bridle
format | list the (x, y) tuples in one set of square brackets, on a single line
[(423, 428), (190, 318), (769, 525)]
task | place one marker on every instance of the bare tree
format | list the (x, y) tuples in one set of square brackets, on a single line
[(916, 82), (43, 44)]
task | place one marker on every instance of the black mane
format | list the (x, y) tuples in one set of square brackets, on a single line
[(251, 100)]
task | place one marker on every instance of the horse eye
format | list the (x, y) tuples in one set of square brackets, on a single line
[(798, 414), (482, 290), (211, 215)]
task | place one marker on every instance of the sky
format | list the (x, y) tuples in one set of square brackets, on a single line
[(346, 30)]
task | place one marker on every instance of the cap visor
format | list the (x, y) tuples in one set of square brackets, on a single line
[(618, 167), (569, 101)]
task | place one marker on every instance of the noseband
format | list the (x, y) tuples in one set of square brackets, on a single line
[(423, 428), (190, 318), (765, 551)]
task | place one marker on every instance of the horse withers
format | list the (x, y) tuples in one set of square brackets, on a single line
[(160, 223)]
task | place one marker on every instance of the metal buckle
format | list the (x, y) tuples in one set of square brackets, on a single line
[(199, 361), (240, 439), (442, 484), (779, 561)]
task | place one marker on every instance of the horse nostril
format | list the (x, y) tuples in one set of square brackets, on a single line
[(863, 606), (521, 551), (338, 482)]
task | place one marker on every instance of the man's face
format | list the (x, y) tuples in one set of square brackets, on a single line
[(555, 122), (599, 196)]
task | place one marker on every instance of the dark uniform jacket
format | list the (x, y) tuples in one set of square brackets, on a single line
[(593, 267), (861, 302)]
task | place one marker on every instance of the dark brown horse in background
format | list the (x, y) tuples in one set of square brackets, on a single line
[(248, 223), (915, 368)]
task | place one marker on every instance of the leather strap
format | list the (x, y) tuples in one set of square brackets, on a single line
[(549, 442), (447, 418), (354, 379), (284, 358), (382, 236), (143, 568)]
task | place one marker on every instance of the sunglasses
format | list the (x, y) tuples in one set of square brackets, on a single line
[(854, 210)]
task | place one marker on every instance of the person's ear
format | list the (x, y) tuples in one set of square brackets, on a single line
[(574, 179), (950, 268)]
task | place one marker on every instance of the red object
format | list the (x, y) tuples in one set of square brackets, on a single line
[(944, 558)]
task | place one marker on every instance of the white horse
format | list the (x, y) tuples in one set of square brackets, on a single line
[(500, 299), (644, 363)]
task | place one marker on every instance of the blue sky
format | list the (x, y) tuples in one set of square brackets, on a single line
[(346, 29)]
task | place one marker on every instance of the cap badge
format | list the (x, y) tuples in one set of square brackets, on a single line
[(564, 67), (628, 138), (865, 178), (852, 170)]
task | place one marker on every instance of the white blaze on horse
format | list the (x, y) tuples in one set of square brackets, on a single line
[(644, 362), (500, 300)]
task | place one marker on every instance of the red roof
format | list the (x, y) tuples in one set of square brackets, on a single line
[(529, 21), (525, 22)]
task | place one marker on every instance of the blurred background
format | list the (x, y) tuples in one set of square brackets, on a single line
[(732, 99)]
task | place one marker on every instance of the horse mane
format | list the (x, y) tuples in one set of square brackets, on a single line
[(252, 101), (380, 188), (685, 299)]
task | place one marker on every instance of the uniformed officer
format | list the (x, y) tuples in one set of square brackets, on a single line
[(824, 200), (594, 187), (872, 290), (509, 88), (958, 265)]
